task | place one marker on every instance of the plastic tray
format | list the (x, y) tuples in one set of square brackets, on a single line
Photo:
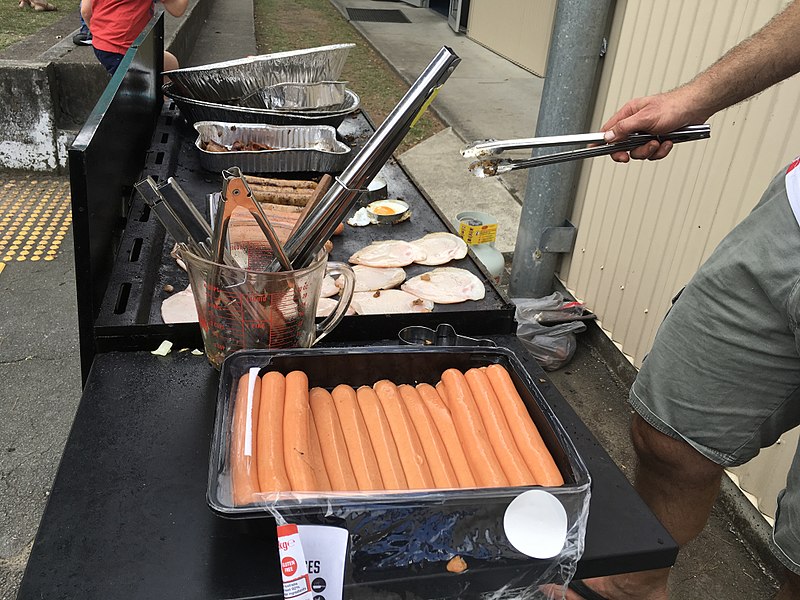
[(297, 148), (364, 366)]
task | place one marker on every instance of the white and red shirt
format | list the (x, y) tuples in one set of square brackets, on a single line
[(792, 182), (115, 24)]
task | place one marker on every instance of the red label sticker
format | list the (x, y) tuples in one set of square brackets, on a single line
[(289, 566)]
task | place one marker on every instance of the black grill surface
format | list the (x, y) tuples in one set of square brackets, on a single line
[(377, 15)]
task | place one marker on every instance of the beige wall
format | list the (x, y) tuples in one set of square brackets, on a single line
[(518, 30), (644, 228)]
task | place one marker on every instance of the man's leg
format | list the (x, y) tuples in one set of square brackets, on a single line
[(677, 482), (790, 590), (679, 485)]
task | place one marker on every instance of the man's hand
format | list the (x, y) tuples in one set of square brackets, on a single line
[(661, 113), (175, 7)]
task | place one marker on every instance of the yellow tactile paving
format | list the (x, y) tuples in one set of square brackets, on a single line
[(35, 216)]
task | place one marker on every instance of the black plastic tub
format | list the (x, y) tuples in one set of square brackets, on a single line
[(397, 535)]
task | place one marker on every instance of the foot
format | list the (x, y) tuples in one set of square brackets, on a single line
[(42, 5), (623, 587), (82, 38)]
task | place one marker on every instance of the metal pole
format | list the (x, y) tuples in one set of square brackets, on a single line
[(567, 100)]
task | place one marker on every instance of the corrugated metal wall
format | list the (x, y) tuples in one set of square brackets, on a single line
[(645, 228)]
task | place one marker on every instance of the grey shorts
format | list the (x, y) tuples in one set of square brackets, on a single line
[(724, 371)]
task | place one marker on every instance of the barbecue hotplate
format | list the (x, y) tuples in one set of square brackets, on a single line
[(130, 314)]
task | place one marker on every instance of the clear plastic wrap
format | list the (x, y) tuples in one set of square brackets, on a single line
[(404, 540)]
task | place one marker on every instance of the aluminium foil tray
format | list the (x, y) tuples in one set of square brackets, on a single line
[(300, 148), (199, 110), (234, 79)]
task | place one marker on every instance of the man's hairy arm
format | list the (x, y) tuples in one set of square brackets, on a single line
[(767, 57)]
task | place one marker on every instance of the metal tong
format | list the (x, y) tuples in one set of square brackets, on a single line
[(306, 241), (178, 215), (489, 167), (236, 193)]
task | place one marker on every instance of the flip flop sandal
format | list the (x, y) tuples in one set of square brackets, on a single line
[(585, 591)]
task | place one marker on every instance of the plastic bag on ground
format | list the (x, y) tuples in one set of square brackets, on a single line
[(551, 346)]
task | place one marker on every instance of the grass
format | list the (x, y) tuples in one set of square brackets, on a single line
[(294, 24), (17, 23)]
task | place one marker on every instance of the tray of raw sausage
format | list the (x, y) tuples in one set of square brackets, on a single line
[(309, 430)]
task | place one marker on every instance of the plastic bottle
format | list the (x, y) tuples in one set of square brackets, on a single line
[(479, 231)]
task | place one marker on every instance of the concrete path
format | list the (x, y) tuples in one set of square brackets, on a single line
[(487, 96), (39, 364)]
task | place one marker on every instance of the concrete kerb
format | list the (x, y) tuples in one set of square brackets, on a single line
[(28, 121), (180, 33)]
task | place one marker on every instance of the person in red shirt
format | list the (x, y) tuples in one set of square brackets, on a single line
[(115, 24)]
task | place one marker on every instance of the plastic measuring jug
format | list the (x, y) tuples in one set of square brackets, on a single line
[(247, 308)]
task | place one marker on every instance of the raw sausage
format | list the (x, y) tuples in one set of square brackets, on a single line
[(244, 466), (498, 430), (529, 441), (332, 441), (440, 389), (412, 456), (297, 434), (317, 462), (272, 475), (447, 430), (380, 435), (356, 436), (471, 431), (432, 444)]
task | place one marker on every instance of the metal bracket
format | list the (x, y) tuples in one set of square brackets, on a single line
[(558, 240)]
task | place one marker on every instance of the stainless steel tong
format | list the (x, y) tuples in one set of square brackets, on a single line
[(178, 215), (489, 167), (310, 235), (236, 193)]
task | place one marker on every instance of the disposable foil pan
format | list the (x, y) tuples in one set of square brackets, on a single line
[(235, 79), (298, 96), (297, 148), (197, 110)]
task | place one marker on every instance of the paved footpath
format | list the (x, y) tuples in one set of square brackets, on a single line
[(39, 364)]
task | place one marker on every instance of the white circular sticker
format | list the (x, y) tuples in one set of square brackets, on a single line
[(536, 524)]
